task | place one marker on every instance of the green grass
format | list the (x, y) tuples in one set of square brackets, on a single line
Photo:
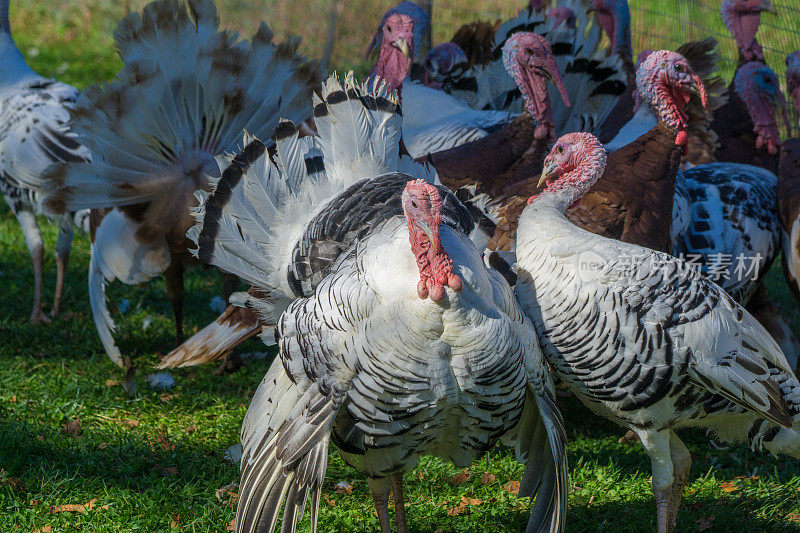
[(162, 471)]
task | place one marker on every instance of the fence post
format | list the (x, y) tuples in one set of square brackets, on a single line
[(427, 6), (326, 57)]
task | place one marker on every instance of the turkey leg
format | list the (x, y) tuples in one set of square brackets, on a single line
[(174, 279), (380, 495), (399, 506), (63, 247), (33, 238)]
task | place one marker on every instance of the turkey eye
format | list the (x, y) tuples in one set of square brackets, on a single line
[(679, 68), (413, 204), (389, 28), (560, 149), (529, 51)]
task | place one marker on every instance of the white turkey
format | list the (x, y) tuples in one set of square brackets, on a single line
[(185, 94), (35, 133), (644, 340), (395, 340), (433, 120)]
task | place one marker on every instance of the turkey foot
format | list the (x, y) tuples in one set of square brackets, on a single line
[(380, 495)]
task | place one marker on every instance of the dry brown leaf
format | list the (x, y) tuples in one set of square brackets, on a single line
[(14, 483), (487, 478), (190, 429), (728, 486), (170, 471), (112, 382), (36, 502), (512, 487), (131, 423), (591, 500), (794, 517), (165, 443), (231, 525), (13, 399), (75, 507), (460, 478), (73, 427), (704, 524), (330, 502), (471, 501), (43, 529), (176, 523), (168, 397), (457, 510)]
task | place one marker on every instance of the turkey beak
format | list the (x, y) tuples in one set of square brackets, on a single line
[(548, 172), (699, 89), (424, 226), (402, 45)]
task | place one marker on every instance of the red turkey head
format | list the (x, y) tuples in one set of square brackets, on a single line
[(742, 18), (397, 49), (793, 77), (666, 82), (536, 6), (446, 59), (575, 163), (529, 61), (422, 206), (562, 14), (615, 19), (758, 87)]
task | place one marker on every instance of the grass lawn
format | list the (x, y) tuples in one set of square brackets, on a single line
[(78, 454)]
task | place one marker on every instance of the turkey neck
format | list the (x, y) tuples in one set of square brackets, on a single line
[(499, 160)]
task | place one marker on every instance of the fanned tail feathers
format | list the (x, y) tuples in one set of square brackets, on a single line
[(249, 224), (185, 94)]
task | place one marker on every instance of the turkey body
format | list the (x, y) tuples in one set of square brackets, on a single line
[(639, 337), (450, 375)]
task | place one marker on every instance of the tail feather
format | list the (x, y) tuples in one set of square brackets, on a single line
[(185, 94), (285, 452), (545, 475), (117, 254), (258, 210)]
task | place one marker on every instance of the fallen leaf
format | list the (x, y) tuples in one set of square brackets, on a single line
[(170, 471), (460, 478), (471, 501), (43, 529), (487, 478), (165, 443), (168, 397), (728, 486), (794, 517), (330, 502), (12, 482), (13, 399), (102, 446), (222, 492), (112, 382), (36, 502), (704, 524), (190, 429), (343, 487), (231, 525), (73, 427), (131, 423), (457, 510), (176, 523), (591, 500), (75, 507), (512, 487)]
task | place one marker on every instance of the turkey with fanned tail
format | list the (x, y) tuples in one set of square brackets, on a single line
[(34, 134), (644, 340), (395, 341), (185, 94)]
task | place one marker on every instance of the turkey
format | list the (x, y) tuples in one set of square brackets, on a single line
[(789, 186), (644, 340), (185, 94), (433, 120), (641, 211), (747, 125), (35, 133), (395, 340)]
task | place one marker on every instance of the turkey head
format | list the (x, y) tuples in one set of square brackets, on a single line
[(615, 19), (397, 49), (574, 164), (758, 87), (443, 61), (666, 82), (793, 77), (422, 206), (529, 61)]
